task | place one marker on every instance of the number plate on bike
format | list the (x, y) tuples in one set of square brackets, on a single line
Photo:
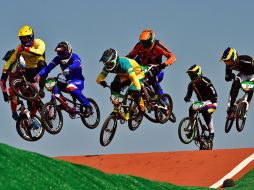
[(247, 85), (197, 105)]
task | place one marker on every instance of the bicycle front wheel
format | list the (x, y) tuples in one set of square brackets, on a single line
[(24, 89), (108, 130), (52, 118), (30, 129), (165, 107), (172, 118), (136, 117), (229, 123), (186, 131), (92, 120), (241, 115), (206, 145)]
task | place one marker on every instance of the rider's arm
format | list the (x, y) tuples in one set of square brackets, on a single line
[(189, 90), (166, 52), (10, 61), (134, 52), (38, 47), (76, 64), (101, 76), (133, 77), (210, 89), (46, 70)]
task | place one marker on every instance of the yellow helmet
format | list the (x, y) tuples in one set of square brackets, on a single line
[(26, 35), (229, 57), (25, 31), (194, 72)]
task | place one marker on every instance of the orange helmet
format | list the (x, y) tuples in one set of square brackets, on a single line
[(147, 38)]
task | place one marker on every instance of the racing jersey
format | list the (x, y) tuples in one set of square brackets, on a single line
[(245, 65), (204, 90), (74, 64), (126, 68), (152, 55), (35, 54)]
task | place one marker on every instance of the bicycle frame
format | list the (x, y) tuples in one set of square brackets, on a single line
[(57, 96), (198, 124), (120, 108)]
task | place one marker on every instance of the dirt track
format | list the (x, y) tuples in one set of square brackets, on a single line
[(193, 168)]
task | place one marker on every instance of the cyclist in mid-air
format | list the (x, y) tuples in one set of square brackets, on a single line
[(150, 51), (33, 51), (71, 66), (244, 64), (12, 72), (205, 91), (128, 73)]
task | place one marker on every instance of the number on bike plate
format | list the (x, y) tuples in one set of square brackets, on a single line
[(197, 105), (247, 85)]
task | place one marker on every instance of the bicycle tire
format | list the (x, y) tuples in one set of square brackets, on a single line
[(241, 116), (172, 118), (207, 145), (47, 121), (164, 110), (183, 128), (105, 129), (135, 117), (25, 90), (85, 120), (25, 131), (229, 124)]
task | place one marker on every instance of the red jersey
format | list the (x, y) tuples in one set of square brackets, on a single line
[(152, 55)]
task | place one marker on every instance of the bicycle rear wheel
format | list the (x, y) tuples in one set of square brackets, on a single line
[(186, 131), (165, 107), (108, 130), (30, 129), (206, 145), (52, 118), (241, 115), (93, 119), (24, 89)]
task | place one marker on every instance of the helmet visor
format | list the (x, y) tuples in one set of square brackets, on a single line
[(229, 62), (62, 53), (146, 43), (193, 76), (110, 65), (25, 39)]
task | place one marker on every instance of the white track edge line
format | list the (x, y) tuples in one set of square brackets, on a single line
[(234, 171)]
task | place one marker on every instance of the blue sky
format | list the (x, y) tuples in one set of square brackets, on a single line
[(195, 31)]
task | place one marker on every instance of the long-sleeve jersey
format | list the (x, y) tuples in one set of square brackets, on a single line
[(126, 68), (152, 55), (204, 90), (35, 54), (74, 64), (245, 65)]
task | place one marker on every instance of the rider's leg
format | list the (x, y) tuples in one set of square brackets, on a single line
[(160, 77), (207, 115), (40, 66), (233, 95), (75, 87), (137, 95), (250, 96), (191, 114), (13, 103)]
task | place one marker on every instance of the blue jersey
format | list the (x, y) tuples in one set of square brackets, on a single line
[(74, 64)]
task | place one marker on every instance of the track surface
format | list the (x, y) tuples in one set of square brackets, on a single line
[(190, 168)]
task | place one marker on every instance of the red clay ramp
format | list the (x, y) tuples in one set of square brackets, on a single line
[(190, 168)]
